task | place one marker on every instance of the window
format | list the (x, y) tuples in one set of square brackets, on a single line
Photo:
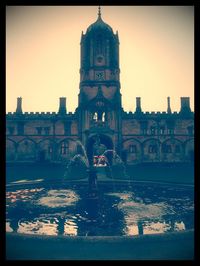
[(95, 116), (143, 127), (170, 131), (50, 149), (144, 131), (39, 130), (132, 149), (26, 143), (46, 130), (162, 130), (99, 116), (152, 130), (152, 149), (99, 44), (64, 148), (166, 148), (103, 117)]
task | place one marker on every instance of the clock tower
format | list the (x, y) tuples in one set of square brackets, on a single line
[(99, 108)]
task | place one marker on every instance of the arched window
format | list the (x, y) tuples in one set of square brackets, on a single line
[(64, 147), (166, 148), (132, 149), (50, 149), (162, 130), (99, 44), (152, 149), (95, 116), (103, 117)]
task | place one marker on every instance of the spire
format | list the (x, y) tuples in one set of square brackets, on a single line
[(99, 12), (168, 106), (19, 105), (62, 107), (138, 105)]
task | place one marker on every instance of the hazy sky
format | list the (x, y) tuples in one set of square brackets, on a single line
[(43, 54)]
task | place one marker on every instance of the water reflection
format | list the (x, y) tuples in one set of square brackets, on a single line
[(146, 228), (8, 227), (53, 226), (21, 194), (44, 227), (67, 211), (70, 228), (59, 198)]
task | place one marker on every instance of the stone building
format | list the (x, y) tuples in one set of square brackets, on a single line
[(100, 118)]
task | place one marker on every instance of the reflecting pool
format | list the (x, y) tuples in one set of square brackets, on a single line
[(121, 209)]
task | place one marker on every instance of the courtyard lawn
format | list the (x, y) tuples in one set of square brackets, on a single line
[(157, 172), (171, 172)]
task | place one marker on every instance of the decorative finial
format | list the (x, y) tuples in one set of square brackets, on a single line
[(99, 12)]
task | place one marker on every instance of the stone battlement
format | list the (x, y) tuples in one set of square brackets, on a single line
[(38, 114), (155, 114)]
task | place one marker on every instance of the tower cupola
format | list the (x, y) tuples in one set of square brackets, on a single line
[(99, 49)]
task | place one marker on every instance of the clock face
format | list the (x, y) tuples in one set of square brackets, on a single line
[(99, 75), (99, 61)]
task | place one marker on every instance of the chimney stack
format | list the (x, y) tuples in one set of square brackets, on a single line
[(62, 107), (138, 105), (168, 106), (19, 105), (185, 105)]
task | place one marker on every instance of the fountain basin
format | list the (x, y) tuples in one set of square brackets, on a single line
[(121, 209), (169, 246), (133, 216)]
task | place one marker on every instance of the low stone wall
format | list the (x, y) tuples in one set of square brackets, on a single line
[(168, 246)]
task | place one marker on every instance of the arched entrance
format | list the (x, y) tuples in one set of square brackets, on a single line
[(97, 144)]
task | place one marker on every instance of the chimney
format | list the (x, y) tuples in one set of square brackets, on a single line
[(168, 106), (19, 105), (138, 105), (62, 107), (185, 105)]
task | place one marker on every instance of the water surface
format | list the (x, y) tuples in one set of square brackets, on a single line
[(120, 209)]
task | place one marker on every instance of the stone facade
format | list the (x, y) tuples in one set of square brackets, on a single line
[(137, 137)]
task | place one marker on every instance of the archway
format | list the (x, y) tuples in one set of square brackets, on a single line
[(45, 149), (97, 144), (10, 150), (133, 150), (26, 150), (172, 150), (151, 150)]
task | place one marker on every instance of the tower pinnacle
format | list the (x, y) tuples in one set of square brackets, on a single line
[(99, 12)]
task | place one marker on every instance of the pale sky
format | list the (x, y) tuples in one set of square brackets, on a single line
[(43, 55)]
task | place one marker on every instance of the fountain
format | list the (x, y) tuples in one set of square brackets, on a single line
[(106, 164), (114, 166), (79, 165), (85, 202)]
